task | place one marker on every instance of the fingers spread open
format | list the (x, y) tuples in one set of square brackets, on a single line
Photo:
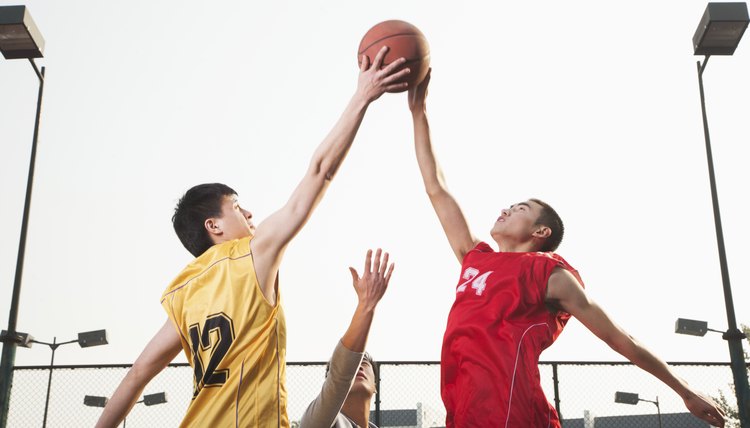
[(378, 62), (376, 264), (388, 274), (355, 275), (384, 266), (398, 87), (368, 263), (364, 64), (390, 68)]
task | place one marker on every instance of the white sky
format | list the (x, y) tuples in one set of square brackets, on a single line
[(591, 106)]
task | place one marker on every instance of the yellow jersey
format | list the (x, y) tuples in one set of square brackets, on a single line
[(234, 339)]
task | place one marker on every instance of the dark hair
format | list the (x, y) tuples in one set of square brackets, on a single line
[(366, 357), (196, 205), (551, 219)]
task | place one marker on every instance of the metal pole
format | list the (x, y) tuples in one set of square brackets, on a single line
[(54, 346), (658, 410), (377, 395), (10, 342), (555, 382), (733, 335)]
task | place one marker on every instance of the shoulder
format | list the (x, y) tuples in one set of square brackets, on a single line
[(563, 264), (481, 247), (202, 265)]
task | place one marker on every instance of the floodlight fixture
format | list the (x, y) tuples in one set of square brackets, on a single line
[(154, 399), (85, 340), (24, 340), (720, 29), (92, 338), (690, 327), (19, 36), (95, 401), (626, 397), (632, 398)]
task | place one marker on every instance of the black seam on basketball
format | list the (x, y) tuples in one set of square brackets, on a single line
[(388, 37)]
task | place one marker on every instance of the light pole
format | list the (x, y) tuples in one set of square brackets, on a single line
[(19, 38), (719, 33), (148, 400), (631, 398), (85, 340)]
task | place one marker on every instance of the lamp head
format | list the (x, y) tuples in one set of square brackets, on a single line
[(720, 29), (23, 340), (691, 327), (19, 37), (626, 397), (154, 399), (92, 338), (94, 401)]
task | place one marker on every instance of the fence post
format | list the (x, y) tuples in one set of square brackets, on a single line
[(555, 381), (377, 395)]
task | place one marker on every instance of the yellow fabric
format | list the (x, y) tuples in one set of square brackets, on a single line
[(217, 307)]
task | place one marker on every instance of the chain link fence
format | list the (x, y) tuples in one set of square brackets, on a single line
[(409, 394)]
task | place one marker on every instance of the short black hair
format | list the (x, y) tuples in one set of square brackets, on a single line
[(196, 205), (366, 357), (551, 219)]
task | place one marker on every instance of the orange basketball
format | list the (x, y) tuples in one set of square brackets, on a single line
[(403, 40)]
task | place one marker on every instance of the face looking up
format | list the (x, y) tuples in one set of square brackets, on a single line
[(234, 223)]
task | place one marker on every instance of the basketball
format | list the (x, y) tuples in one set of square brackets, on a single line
[(403, 40)]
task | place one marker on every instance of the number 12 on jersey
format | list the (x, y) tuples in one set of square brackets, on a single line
[(478, 282)]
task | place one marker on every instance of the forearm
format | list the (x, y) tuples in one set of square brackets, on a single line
[(277, 230), (428, 166), (331, 152), (355, 337), (124, 398), (642, 357), (323, 410), (447, 209), (162, 348)]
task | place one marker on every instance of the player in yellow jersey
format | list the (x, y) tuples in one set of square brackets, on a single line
[(223, 309)]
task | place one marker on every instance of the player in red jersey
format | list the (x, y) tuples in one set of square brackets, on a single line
[(511, 305)]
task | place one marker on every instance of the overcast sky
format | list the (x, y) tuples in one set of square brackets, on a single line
[(591, 106)]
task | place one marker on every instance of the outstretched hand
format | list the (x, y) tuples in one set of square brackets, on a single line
[(374, 281), (705, 409), (374, 81), (418, 94)]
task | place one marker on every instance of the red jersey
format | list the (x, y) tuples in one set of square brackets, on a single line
[(497, 327)]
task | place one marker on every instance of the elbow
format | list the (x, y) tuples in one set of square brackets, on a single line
[(627, 346), (322, 169), (434, 190)]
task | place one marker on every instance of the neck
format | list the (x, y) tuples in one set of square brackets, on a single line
[(507, 246), (357, 408)]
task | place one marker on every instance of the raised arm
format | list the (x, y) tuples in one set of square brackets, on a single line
[(273, 234), (164, 346), (564, 292), (347, 356), (451, 218)]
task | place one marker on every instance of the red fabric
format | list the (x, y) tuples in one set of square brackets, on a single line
[(497, 327)]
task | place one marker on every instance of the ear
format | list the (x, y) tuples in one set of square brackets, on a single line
[(213, 226), (542, 232)]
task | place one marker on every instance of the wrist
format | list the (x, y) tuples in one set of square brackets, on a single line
[(419, 114), (365, 308), (360, 101)]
